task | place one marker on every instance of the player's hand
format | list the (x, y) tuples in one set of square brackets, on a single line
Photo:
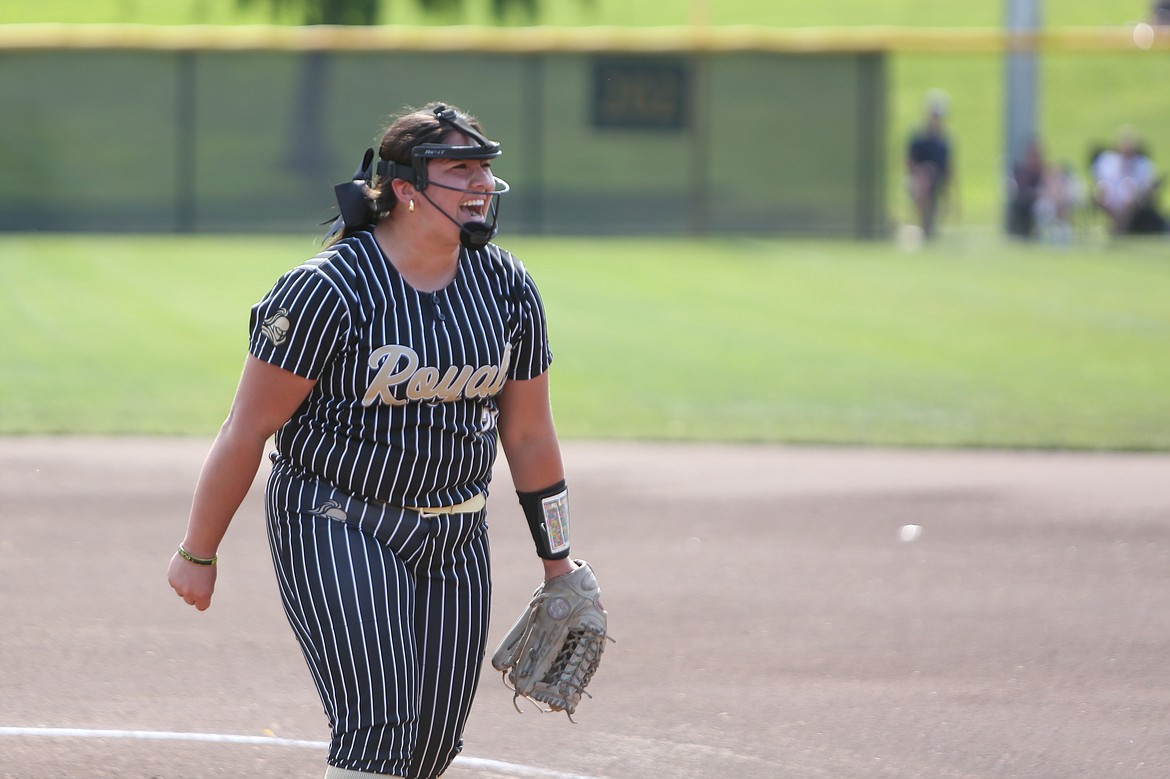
[(555, 568), (193, 583)]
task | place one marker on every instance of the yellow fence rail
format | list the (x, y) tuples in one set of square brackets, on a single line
[(1136, 38)]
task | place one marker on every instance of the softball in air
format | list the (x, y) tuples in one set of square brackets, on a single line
[(908, 533)]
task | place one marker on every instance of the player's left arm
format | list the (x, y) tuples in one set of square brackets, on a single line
[(530, 443)]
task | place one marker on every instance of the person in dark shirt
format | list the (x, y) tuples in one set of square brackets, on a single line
[(1025, 188), (1160, 13), (929, 165)]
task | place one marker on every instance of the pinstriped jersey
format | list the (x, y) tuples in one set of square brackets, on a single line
[(405, 405)]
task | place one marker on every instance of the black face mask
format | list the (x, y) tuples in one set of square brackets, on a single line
[(357, 210)]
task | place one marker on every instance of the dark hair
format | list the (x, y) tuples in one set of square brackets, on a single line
[(416, 126), (409, 129)]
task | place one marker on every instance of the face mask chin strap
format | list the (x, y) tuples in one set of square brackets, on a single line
[(473, 234)]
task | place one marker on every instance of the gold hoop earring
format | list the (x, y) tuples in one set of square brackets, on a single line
[(411, 206)]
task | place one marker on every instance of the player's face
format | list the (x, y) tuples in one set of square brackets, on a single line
[(472, 176)]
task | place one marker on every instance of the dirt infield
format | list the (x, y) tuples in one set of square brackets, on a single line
[(771, 622)]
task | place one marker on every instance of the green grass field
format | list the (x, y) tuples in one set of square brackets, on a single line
[(973, 342), (970, 342)]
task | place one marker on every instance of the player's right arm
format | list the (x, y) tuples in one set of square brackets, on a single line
[(266, 398)]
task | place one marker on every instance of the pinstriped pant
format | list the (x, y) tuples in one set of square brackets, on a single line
[(391, 612)]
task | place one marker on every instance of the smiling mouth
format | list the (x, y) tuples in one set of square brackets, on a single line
[(475, 208)]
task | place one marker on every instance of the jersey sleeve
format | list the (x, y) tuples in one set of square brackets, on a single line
[(532, 355), (298, 325)]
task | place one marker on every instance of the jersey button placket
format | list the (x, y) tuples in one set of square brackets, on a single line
[(436, 308)]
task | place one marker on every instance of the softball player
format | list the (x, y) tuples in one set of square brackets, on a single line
[(388, 367)]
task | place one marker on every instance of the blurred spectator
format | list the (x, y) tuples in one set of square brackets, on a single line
[(929, 164), (1160, 13), (1061, 197), (1024, 189), (1125, 186)]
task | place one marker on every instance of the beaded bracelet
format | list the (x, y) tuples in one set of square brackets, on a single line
[(197, 560)]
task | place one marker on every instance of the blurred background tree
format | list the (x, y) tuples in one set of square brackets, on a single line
[(366, 12), (356, 12)]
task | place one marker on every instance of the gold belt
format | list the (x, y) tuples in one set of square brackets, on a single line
[(474, 503)]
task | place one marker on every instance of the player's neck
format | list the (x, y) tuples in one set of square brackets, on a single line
[(425, 263)]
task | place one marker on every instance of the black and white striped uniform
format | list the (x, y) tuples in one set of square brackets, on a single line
[(390, 605)]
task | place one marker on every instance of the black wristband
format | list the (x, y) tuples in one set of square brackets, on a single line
[(547, 512)]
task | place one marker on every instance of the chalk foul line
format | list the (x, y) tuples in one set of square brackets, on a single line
[(499, 767)]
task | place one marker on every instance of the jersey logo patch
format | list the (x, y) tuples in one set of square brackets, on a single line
[(275, 328), (331, 509)]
